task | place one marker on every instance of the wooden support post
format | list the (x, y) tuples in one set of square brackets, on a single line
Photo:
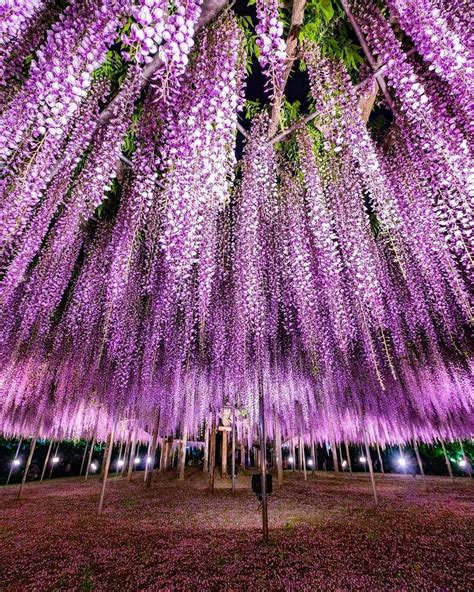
[(371, 469), (263, 457), (313, 458), (340, 457), (46, 460), (182, 456), (420, 464), (448, 464), (293, 454), (104, 459), (303, 459), (224, 455), (346, 444), (131, 460), (164, 455), (334, 458), (89, 460), (154, 439), (469, 470), (278, 451), (380, 459), (83, 458), (147, 462), (14, 458), (242, 452), (234, 435), (212, 456), (28, 461), (119, 456), (125, 458), (52, 464), (110, 445), (205, 466)]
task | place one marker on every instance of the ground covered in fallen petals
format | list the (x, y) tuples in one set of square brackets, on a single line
[(326, 534)]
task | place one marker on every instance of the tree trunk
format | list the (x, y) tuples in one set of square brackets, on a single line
[(348, 457), (89, 460), (448, 464), (83, 458), (205, 466), (420, 464), (303, 459), (154, 439), (131, 460), (28, 462), (334, 458), (224, 455), (313, 458), (380, 459)]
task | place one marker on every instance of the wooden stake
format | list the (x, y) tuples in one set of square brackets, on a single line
[(46, 460), (89, 460), (131, 460), (371, 469), (147, 462), (205, 466), (28, 461), (212, 456), (182, 456), (448, 464), (346, 444), (110, 445), (278, 451), (224, 455), (52, 464), (380, 459), (420, 464), (303, 458), (154, 439), (234, 435), (334, 458)]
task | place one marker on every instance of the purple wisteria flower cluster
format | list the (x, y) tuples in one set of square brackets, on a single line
[(335, 276)]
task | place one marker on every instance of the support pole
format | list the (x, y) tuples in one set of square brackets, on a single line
[(110, 445), (224, 455), (340, 457), (346, 444), (28, 461), (119, 456), (52, 464), (234, 435), (212, 455), (303, 458), (263, 457), (154, 439), (89, 460), (125, 458), (131, 460), (469, 472), (147, 462), (278, 451), (14, 458), (334, 458), (182, 456), (380, 459), (313, 458), (83, 458), (293, 455), (448, 464), (420, 464), (371, 469), (205, 466), (46, 461)]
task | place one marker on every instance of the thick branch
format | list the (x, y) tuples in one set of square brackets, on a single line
[(297, 17), (210, 9)]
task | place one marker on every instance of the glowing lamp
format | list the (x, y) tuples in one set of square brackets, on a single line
[(137, 460), (55, 459), (17, 462), (363, 459), (462, 462), (120, 463), (402, 462), (148, 460), (290, 459), (344, 464), (93, 467), (310, 463)]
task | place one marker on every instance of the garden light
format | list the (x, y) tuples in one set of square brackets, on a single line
[(137, 460), (310, 463), (93, 466), (120, 463), (55, 460), (462, 462), (402, 461), (344, 464), (290, 459), (363, 459), (17, 462)]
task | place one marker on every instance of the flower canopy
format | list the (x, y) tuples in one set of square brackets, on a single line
[(148, 272)]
